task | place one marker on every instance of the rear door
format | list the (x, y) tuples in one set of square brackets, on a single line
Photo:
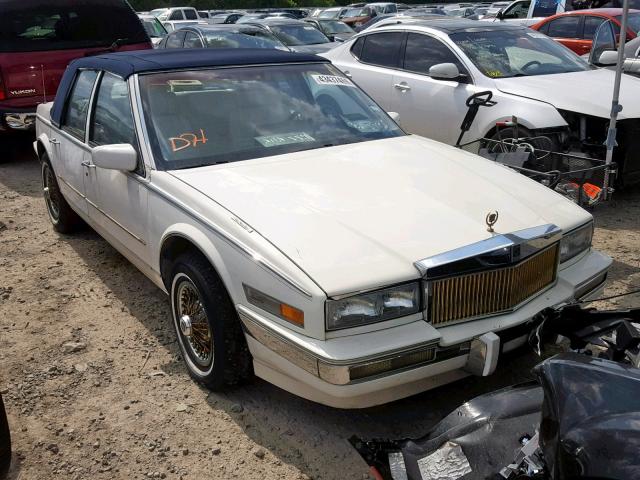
[(372, 61), (567, 31), (69, 148), (429, 107)]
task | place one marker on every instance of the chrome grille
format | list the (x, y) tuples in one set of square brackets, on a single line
[(490, 292)]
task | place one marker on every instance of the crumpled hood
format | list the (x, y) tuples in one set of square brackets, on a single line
[(588, 92), (358, 216)]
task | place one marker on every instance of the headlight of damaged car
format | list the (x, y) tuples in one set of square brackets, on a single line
[(372, 307), (576, 242)]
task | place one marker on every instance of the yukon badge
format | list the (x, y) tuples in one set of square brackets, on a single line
[(491, 219)]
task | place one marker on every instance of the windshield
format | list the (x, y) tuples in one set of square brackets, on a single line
[(206, 117), (336, 27), (357, 12), (154, 28), (518, 52), (294, 35), (633, 22), (243, 39), (329, 13)]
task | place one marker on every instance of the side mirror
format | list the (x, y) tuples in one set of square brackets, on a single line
[(395, 116), (608, 58), (444, 71), (120, 156)]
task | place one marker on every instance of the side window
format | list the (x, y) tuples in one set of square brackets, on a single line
[(423, 52), (175, 40), (112, 117), (190, 14), (591, 25), (519, 10), (176, 15), (382, 49), (75, 120), (564, 27), (192, 40), (356, 48)]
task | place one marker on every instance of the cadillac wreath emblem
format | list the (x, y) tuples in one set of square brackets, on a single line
[(491, 219)]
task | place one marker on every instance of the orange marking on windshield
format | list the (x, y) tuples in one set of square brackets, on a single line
[(186, 140)]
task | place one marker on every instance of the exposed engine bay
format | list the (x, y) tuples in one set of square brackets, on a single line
[(580, 419)]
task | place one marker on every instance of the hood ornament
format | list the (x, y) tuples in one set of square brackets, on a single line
[(491, 219)]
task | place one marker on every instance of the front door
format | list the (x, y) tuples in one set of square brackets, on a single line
[(117, 200), (429, 107), (71, 151)]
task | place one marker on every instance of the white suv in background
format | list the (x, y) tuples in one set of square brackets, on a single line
[(179, 13)]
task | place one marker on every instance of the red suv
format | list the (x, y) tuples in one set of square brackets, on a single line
[(38, 39)]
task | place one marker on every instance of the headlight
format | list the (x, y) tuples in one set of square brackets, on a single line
[(575, 242), (373, 307)]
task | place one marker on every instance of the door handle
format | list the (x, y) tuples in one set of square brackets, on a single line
[(347, 74), (87, 164), (54, 141), (403, 87)]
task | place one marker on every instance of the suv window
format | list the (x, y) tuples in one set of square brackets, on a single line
[(423, 51), (564, 27), (75, 120), (191, 40), (176, 15), (591, 25), (519, 10), (112, 115), (190, 14), (174, 40), (62, 24), (382, 49)]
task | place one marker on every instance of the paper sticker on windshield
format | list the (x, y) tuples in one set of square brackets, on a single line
[(284, 139), (332, 80)]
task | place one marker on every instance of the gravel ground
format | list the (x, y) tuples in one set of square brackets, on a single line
[(95, 387)]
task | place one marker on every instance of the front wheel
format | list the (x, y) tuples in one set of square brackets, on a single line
[(62, 216), (207, 325)]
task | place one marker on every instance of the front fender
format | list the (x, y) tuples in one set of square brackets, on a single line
[(42, 145)]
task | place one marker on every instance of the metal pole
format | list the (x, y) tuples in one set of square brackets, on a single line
[(615, 106)]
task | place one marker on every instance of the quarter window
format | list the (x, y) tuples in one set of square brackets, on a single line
[(78, 106), (423, 52), (564, 27), (112, 117), (191, 40), (382, 49)]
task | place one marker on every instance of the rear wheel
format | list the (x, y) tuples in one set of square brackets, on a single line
[(206, 323), (63, 218)]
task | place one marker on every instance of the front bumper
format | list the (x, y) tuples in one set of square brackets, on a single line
[(404, 360)]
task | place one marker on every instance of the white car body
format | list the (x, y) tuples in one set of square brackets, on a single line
[(326, 223), (435, 108)]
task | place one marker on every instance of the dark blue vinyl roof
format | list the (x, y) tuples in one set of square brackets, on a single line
[(125, 64)]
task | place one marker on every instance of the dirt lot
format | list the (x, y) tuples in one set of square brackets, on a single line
[(95, 386)]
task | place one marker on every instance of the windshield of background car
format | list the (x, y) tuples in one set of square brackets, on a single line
[(249, 38), (206, 117), (294, 35), (37, 25), (516, 53), (334, 27), (329, 14), (633, 22), (154, 28), (356, 12)]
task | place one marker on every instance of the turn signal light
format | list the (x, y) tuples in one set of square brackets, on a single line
[(292, 314), (274, 306)]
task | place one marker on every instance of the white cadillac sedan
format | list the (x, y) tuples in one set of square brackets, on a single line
[(425, 69), (299, 233)]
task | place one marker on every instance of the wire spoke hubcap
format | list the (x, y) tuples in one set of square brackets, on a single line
[(193, 324)]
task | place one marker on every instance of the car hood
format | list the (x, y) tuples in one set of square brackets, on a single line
[(358, 216), (317, 48), (567, 91)]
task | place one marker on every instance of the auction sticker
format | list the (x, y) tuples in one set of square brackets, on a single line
[(332, 80), (284, 139)]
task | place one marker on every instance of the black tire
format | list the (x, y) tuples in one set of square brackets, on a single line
[(62, 216), (5, 442), (229, 363)]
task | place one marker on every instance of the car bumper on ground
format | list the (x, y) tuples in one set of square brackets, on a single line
[(17, 120), (360, 371)]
